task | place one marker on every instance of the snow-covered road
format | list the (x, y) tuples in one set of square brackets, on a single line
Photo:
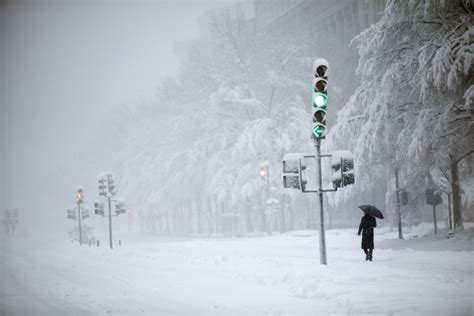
[(275, 275)]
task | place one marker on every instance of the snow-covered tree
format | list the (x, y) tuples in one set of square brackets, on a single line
[(413, 108)]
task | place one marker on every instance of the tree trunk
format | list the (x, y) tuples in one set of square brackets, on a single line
[(457, 214)]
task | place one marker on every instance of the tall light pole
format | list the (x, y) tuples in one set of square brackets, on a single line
[(107, 189), (319, 188), (79, 200), (264, 175)]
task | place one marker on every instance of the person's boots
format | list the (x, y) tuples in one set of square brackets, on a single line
[(366, 255), (370, 254)]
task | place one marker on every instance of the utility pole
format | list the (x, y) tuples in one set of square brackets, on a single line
[(79, 221), (319, 188), (400, 235), (450, 215), (264, 174)]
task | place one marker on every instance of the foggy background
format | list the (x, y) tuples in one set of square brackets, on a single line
[(66, 67), (186, 100)]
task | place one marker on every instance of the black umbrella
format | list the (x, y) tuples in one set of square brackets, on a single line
[(371, 210)]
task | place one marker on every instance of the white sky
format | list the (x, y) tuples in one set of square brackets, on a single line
[(66, 64)]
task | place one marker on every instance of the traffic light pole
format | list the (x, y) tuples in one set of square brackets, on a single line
[(79, 220), (322, 235), (110, 222)]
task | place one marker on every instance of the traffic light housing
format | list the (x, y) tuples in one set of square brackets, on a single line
[(403, 197), (71, 214), (102, 187), (111, 184), (342, 166), (293, 169), (433, 197), (120, 208), (98, 208), (319, 99), (85, 214)]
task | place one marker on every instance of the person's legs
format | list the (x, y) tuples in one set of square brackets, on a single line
[(366, 251), (370, 254)]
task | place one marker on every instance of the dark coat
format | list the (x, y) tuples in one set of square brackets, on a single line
[(367, 225)]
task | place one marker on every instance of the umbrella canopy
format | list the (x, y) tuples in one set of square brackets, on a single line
[(371, 210)]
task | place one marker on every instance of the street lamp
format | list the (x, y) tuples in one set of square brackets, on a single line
[(262, 172)]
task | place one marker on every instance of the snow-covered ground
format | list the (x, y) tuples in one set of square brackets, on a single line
[(276, 275)]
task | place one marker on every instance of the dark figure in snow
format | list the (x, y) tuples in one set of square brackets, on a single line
[(367, 225)]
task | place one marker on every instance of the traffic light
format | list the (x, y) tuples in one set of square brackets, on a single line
[(102, 187), (293, 172), (111, 184), (403, 197), (433, 197), (319, 103), (120, 208), (342, 165), (98, 209), (71, 214), (85, 214)]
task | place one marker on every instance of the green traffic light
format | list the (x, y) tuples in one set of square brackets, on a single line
[(320, 100), (318, 130)]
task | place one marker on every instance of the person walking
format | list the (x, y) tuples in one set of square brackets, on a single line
[(367, 225)]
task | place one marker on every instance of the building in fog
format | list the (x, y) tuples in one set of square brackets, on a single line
[(346, 18)]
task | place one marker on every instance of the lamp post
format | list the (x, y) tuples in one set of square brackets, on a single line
[(265, 175), (79, 200)]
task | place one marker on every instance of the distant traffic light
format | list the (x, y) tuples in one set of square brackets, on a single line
[(71, 214), (120, 208), (319, 103), (433, 197), (403, 197), (85, 214), (102, 187), (111, 184), (98, 208)]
